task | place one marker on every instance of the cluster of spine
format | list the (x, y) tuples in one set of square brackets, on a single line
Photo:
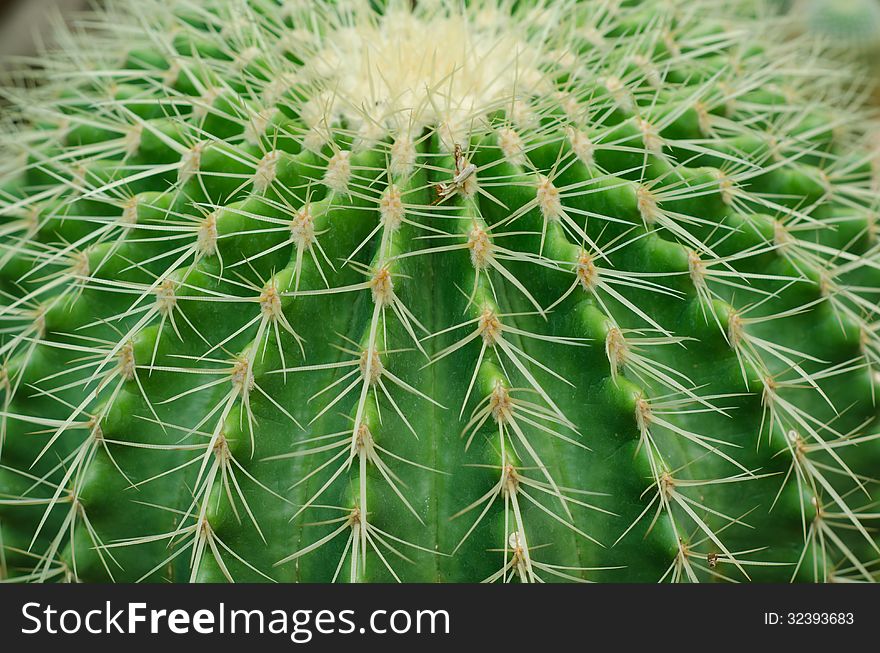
[(496, 290)]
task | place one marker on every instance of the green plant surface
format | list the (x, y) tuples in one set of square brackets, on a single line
[(484, 291)]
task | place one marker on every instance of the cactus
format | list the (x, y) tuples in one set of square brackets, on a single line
[(497, 290)]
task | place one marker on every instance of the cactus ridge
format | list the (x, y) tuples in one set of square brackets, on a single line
[(484, 291)]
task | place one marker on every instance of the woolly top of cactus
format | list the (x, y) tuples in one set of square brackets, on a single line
[(489, 290), (400, 72)]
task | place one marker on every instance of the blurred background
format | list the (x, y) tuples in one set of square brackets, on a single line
[(23, 21)]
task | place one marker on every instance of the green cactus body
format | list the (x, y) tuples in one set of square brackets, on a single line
[(315, 291)]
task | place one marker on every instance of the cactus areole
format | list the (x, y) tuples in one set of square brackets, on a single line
[(455, 292)]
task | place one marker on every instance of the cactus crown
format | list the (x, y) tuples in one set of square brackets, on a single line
[(492, 290)]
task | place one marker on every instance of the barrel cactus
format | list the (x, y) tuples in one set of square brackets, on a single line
[(494, 290)]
